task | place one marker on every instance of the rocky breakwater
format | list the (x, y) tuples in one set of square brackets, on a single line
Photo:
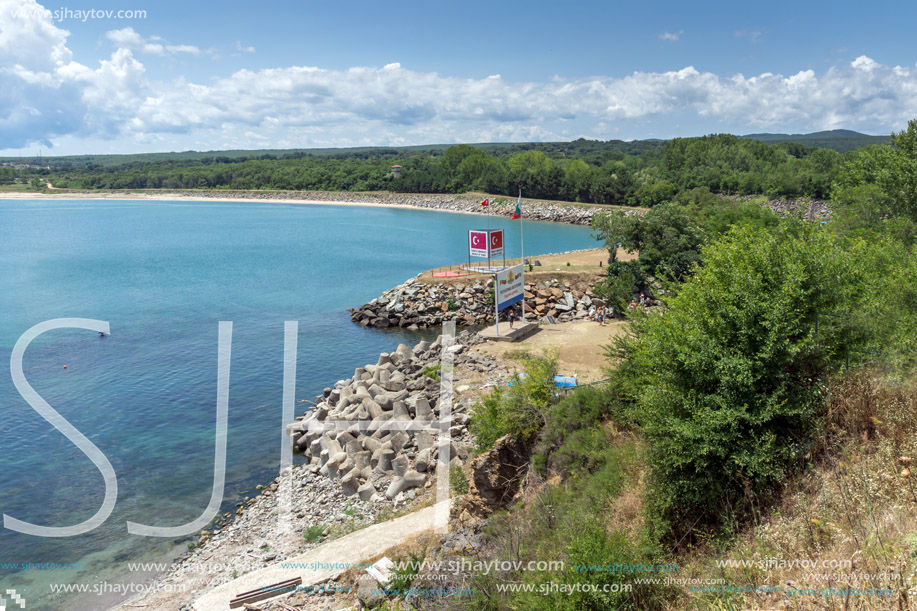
[(376, 432), (538, 210), (417, 304)]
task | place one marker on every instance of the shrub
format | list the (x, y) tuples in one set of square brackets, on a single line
[(519, 409), (314, 533), (457, 481), (560, 524), (402, 578), (575, 438), (729, 377), (432, 371)]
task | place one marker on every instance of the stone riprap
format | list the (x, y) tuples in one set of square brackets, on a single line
[(365, 451), (417, 304)]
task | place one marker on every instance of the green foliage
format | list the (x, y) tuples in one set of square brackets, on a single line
[(886, 307), (457, 481), (432, 371), (645, 173), (560, 524), (668, 238), (669, 241), (518, 410), (402, 578), (617, 290), (729, 377), (313, 533), (575, 438), (891, 169)]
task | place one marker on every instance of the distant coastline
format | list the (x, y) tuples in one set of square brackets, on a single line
[(535, 210)]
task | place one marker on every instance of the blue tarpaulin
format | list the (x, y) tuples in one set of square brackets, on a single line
[(559, 381)]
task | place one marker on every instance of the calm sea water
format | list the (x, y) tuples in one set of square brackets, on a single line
[(163, 274)]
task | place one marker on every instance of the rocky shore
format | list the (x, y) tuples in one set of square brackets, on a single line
[(343, 479), (417, 305), (535, 210)]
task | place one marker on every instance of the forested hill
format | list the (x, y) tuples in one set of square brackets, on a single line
[(840, 140), (641, 173)]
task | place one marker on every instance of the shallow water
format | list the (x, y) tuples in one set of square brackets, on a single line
[(163, 274)]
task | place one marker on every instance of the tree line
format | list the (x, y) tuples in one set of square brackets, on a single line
[(642, 173)]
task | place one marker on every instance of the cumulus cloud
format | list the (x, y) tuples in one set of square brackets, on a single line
[(46, 96)]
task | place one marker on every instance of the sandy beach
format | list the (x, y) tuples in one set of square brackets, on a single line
[(468, 203)]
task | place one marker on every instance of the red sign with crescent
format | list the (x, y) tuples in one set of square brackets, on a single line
[(477, 243)]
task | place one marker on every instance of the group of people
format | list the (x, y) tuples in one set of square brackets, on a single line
[(643, 301), (599, 314)]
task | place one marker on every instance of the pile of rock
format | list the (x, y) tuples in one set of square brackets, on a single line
[(806, 209), (415, 304), (370, 455)]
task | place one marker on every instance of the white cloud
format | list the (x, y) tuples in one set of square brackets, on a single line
[(46, 96), (671, 36), (243, 49), (190, 49), (753, 35), (128, 38)]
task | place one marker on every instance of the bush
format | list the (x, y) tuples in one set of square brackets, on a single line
[(560, 524), (518, 410), (575, 438), (729, 377), (457, 481), (314, 533)]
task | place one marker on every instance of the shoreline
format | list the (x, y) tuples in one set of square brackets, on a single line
[(254, 542), (533, 209), (254, 539)]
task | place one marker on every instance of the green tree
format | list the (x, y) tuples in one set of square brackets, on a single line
[(455, 155), (891, 168)]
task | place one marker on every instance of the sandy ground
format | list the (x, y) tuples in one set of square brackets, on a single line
[(585, 265), (580, 344)]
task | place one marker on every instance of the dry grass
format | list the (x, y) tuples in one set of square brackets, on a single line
[(856, 506)]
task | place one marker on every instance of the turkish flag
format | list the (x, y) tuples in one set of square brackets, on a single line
[(496, 240), (485, 202), (478, 239)]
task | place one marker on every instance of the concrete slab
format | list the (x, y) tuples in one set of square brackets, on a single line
[(519, 331), (311, 566)]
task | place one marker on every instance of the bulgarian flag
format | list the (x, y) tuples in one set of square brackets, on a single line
[(518, 213)]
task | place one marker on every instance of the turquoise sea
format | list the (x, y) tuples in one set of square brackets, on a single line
[(163, 274)]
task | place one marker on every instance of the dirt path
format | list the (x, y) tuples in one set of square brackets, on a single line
[(581, 345)]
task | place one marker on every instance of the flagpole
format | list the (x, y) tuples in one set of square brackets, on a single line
[(522, 255)]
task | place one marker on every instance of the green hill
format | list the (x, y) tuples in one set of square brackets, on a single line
[(840, 140)]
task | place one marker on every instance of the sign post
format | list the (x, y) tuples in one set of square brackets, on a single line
[(508, 288), (485, 244)]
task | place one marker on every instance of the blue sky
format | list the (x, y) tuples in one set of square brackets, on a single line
[(203, 76)]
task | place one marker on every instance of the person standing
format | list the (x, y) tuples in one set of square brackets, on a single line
[(512, 317)]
